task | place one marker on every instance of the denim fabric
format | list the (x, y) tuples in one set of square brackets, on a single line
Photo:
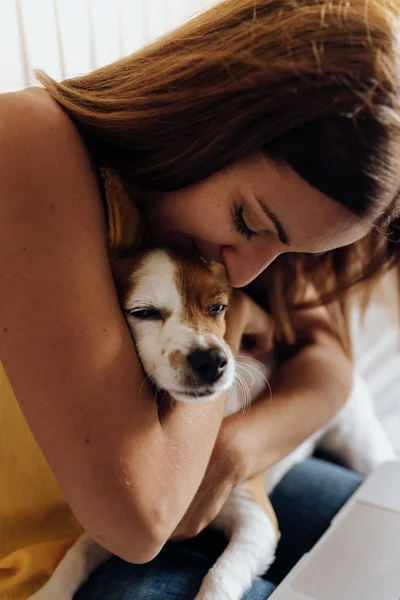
[(175, 574), (305, 501)]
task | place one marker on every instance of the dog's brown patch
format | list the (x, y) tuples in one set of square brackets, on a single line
[(201, 286), (176, 359), (255, 487)]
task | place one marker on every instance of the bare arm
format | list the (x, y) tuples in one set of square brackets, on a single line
[(67, 350), (307, 391)]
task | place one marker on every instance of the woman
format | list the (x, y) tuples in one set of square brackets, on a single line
[(260, 128)]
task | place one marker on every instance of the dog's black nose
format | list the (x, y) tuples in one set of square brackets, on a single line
[(209, 364)]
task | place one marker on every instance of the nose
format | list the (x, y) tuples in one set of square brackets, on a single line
[(209, 364), (245, 263)]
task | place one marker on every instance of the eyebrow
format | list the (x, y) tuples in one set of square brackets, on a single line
[(281, 231)]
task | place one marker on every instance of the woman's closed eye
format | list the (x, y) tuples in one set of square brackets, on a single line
[(240, 224)]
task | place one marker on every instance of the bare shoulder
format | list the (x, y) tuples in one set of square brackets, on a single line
[(30, 112), (32, 122), (41, 150)]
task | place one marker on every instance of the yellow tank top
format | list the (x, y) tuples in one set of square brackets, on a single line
[(36, 524)]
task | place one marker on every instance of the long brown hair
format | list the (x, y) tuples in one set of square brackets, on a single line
[(314, 83)]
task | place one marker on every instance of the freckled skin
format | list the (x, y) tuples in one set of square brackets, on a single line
[(201, 216)]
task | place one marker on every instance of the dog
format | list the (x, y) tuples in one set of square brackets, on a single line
[(175, 307)]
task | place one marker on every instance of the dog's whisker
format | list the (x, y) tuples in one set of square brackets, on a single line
[(235, 385), (239, 385), (246, 393), (248, 366), (248, 398), (233, 389), (246, 370), (236, 356)]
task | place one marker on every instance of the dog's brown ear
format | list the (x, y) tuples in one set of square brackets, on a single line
[(219, 272)]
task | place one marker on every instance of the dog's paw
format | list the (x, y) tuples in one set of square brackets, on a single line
[(210, 591)]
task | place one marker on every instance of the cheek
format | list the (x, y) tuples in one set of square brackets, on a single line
[(162, 346), (200, 216), (148, 341)]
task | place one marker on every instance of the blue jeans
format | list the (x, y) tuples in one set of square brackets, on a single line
[(305, 502)]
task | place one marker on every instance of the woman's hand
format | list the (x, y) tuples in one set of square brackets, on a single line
[(249, 328), (224, 471)]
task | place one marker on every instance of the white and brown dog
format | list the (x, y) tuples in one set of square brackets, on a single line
[(175, 306)]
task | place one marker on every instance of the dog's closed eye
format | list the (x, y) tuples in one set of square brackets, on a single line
[(146, 314)]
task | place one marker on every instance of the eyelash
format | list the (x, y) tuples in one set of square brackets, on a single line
[(240, 223)]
